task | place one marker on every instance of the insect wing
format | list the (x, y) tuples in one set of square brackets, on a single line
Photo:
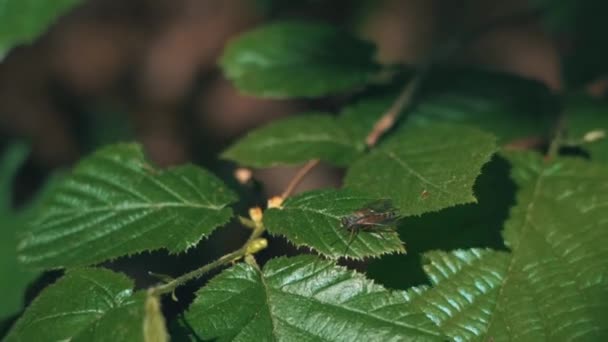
[(380, 206), (378, 213)]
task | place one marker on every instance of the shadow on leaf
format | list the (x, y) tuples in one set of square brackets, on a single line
[(465, 226)]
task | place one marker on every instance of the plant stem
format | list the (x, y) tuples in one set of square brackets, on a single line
[(406, 97), (239, 253), (299, 176), (199, 272), (388, 119), (386, 122)]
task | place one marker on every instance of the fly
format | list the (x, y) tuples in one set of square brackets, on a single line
[(376, 217)]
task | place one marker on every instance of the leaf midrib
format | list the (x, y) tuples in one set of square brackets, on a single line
[(527, 226), (392, 156), (268, 290), (318, 138), (136, 206), (357, 312)]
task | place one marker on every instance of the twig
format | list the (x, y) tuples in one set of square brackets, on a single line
[(406, 97), (401, 103), (199, 272), (299, 176), (239, 253), (388, 119)]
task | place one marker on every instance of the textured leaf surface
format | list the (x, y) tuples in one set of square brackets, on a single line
[(466, 287), (297, 59), (295, 140), (460, 227), (303, 299), (115, 203), (15, 278), (424, 169), (312, 219), (21, 21), (584, 115), (553, 285), (84, 305), (559, 237)]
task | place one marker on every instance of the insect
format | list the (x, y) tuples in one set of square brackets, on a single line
[(375, 217)]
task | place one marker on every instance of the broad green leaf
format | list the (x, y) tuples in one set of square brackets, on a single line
[(463, 226), (295, 140), (312, 219), (553, 284), (584, 117), (84, 305), (303, 299), (115, 204), (180, 331), (509, 107), (298, 59), (22, 21), (558, 233), (424, 169), (12, 159), (15, 278)]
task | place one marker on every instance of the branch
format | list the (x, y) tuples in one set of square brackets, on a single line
[(388, 119), (299, 177), (406, 98), (229, 258)]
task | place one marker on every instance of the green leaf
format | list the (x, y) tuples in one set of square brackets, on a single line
[(312, 219), (553, 285), (295, 140), (84, 305), (424, 169), (303, 299), (12, 159), (559, 253), (463, 299), (115, 204), (509, 107), (22, 21), (298, 59), (585, 115), (180, 331), (15, 277), (463, 226)]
